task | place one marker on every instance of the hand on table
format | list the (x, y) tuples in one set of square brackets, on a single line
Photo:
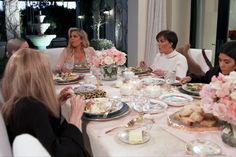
[(185, 80)]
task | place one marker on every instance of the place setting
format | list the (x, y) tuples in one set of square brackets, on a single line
[(103, 109), (67, 78), (192, 89)]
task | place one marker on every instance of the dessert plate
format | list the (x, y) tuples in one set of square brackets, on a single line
[(124, 136)]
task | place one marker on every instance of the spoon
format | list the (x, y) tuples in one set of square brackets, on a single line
[(129, 124)]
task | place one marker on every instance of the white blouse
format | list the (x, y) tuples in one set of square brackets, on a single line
[(173, 61)]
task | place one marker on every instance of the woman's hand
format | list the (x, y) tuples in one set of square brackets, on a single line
[(143, 65), (185, 80), (159, 72), (77, 109), (65, 94), (66, 70)]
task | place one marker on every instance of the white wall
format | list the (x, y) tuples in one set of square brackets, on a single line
[(137, 13), (178, 19)]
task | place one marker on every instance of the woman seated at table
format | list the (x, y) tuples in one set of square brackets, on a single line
[(77, 52), (227, 64), (31, 105), (15, 44), (168, 59)]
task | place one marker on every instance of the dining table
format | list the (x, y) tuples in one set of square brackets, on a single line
[(165, 140)]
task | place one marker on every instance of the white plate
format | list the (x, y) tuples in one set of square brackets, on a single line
[(152, 81), (193, 88), (176, 99), (124, 137), (102, 105), (84, 88), (203, 147), (152, 107)]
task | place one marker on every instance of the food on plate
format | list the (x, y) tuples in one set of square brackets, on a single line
[(82, 66), (100, 106), (138, 70), (135, 136), (194, 87), (65, 76), (192, 115)]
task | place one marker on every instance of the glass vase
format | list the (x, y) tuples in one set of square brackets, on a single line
[(109, 72), (229, 134)]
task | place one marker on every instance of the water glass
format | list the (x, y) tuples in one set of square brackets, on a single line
[(170, 77)]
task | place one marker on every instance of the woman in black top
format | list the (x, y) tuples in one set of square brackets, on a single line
[(31, 105), (227, 64)]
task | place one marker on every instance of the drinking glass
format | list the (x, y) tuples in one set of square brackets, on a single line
[(170, 77)]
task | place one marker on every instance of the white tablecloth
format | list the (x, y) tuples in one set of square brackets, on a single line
[(165, 141)]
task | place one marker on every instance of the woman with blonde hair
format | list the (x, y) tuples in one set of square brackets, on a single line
[(31, 105), (77, 53)]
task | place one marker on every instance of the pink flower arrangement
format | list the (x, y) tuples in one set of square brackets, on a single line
[(219, 97), (108, 57)]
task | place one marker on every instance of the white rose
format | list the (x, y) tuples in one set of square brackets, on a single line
[(108, 60), (233, 95), (216, 85)]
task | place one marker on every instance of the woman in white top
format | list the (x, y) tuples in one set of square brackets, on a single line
[(77, 52), (168, 59)]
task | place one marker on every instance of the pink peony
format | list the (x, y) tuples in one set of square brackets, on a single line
[(219, 97)]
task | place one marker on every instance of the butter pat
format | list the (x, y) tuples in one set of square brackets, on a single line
[(135, 136), (119, 84)]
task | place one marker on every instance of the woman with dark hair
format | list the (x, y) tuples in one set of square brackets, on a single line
[(227, 64), (168, 59), (77, 52)]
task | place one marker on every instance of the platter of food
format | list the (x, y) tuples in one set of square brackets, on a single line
[(192, 118), (192, 88), (67, 78), (99, 106), (139, 70), (176, 99)]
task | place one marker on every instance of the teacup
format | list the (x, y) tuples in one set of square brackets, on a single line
[(128, 75)]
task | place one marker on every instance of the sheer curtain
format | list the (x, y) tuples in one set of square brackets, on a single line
[(155, 23)]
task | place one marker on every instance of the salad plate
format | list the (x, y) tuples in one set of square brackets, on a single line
[(120, 113), (66, 78), (99, 106), (203, 147), (176, 99), (192, 88)]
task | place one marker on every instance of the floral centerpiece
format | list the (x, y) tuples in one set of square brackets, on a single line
[(108, 60), (219, 98)]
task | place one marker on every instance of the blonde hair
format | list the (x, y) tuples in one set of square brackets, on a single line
[(28, 74), (83, 36)]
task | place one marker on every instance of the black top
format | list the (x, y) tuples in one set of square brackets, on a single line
[(207, 77), (31, 116)]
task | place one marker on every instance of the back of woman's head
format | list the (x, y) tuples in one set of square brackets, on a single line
[(14, 45), (82, 34), (169, 36), (28, 74), (229, 48)]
